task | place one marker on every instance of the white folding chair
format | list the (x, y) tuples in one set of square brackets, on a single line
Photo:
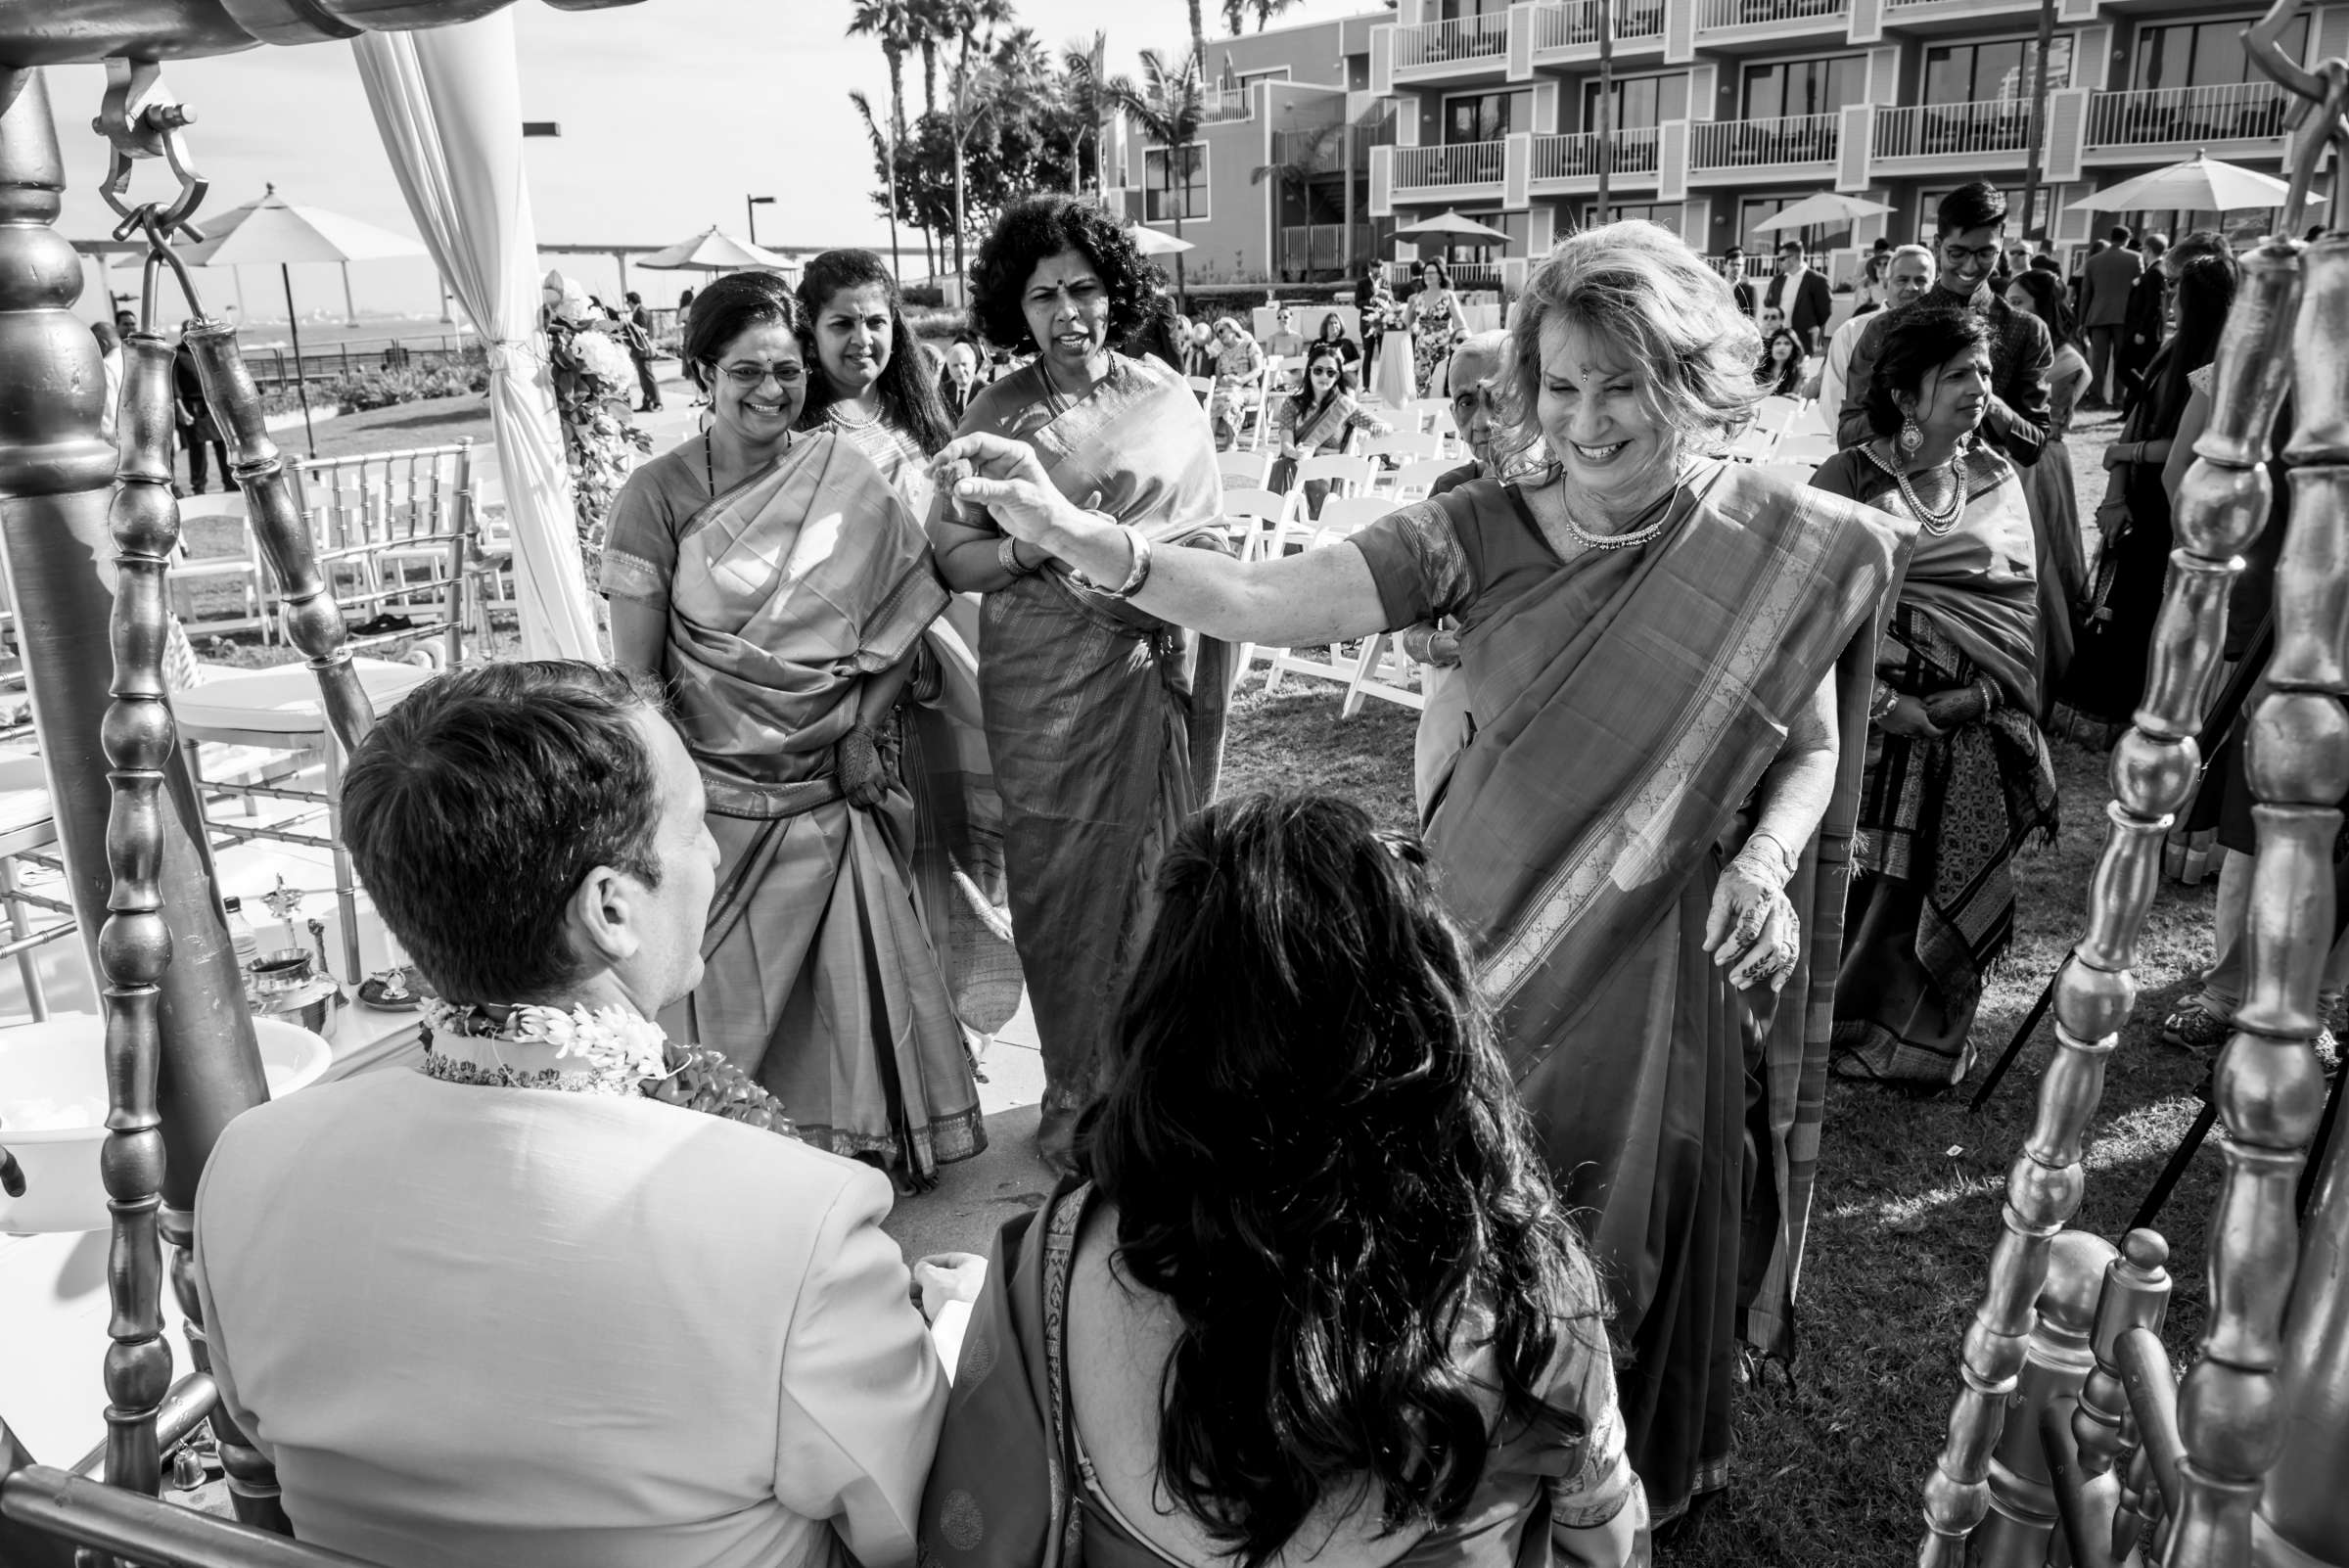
[(241, 566), (1774, 413), (1813, 418), (1404, 445), (1246, 470), (1255, 518), (1413, 481), (1807, 450), (1341, 515), (1385, 674), (1346, 473), (1754, 444), (1203, 385)]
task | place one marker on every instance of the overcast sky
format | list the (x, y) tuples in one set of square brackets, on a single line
[(671, 112)]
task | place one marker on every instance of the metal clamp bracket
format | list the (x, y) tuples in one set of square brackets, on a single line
[(141, 119)]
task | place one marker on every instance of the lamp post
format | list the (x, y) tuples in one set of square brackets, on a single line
[(750, 207)]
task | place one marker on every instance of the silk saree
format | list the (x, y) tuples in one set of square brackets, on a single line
[(785, 595), (1104, 724), (1932, 903), (1618, 711)]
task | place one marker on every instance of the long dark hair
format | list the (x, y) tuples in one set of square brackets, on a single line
[(1784, 379), (908, 387), (1318, 1156), (731, 307), (2206, 285), (1309, 407), (2047, 303)]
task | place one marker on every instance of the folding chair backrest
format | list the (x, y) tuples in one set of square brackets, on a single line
[(1807, 450), (1775, 412), (1348, 472), (1813, 418), (1426, 444), (1413, 480), (1255, 518), (1250, 470), (1754, 445), (390, 528), (1342, 514)]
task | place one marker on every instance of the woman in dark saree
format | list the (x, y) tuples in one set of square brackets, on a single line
[(1646, 824), (1104, 722), (1958, 777)]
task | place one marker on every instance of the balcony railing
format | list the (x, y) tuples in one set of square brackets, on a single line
[(1467, 277), (1326, 247), (1435, 43), (1941, 130), (1419, 168), (1575, 23), (1763, 143), (1220, 104), (2250, 110), (1322, 151), (1576, 156), (1763, 13)]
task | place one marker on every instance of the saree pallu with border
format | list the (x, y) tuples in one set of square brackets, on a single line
[(791, 590), (1623, 713), (1105, 724), (1932, 905)]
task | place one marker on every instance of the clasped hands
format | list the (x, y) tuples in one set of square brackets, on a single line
[(1752, 929), (1932, 717)]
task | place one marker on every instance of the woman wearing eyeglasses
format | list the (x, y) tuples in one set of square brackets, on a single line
[(774, 580), (1318, 420)]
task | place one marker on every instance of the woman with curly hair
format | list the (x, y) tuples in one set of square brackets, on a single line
[(1105, 723), (773, 580), (1645, 853), (1314, 1300)]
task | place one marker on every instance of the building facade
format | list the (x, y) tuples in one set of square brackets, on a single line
[(1727, 110)]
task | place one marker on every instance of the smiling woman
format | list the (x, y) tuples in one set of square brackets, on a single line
[(776, 584), (1645, 855)]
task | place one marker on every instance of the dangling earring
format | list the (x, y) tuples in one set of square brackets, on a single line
[(1912, 437)]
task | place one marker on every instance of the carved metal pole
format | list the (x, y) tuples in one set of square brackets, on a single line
[(2269, 1088), (2221, 509), (2137, 1295), (2056, 1362)]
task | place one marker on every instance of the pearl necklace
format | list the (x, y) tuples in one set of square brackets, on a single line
[(838, 413), (1939, 523)]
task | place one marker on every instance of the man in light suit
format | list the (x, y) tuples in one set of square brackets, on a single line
[(1802, 294), (510, 1309), (2104, 286)]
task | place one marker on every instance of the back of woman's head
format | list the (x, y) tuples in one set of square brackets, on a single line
[(2203, 273), (908, 386), (1916, 343), (1317, 1154), (731, 307)]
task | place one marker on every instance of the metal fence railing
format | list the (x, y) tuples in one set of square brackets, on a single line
[(2232, 111)]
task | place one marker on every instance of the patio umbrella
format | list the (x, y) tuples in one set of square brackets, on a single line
[(1151, 242), (1448, 227), (713, 249), (1818, 210), (2199, 185), (274, 231)]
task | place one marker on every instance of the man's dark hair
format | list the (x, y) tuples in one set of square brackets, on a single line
[(1784, 246), (1734, 249), (2119, 234), (633, 297), (2043, 262), (1033, 232), (1919, 342), (1976, 205), (474, 808)]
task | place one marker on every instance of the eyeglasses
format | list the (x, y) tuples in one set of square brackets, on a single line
[(749, 378), (1981, 256)]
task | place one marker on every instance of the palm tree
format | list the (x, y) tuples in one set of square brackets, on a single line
[(893, 22), (1083, 87), (931, 24), (1237, 11), (1169, 105), (972, 91), (885, 148)]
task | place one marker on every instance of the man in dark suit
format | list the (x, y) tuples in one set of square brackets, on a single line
[(1802, 294), (2143, 321), (1733, 265), (2105, 288), (1971, 223)]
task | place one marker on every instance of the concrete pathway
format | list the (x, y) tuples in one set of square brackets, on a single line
[(974, 1196)]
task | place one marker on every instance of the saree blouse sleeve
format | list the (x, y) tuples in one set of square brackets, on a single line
[(1417, 558), (640, 540)]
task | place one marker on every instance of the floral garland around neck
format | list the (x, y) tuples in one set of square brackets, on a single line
[(618, 1051)]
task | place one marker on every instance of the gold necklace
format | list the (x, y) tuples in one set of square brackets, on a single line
[(1632, 535)]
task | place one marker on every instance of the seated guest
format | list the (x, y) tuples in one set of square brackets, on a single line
[(1780, 371), (1957, 775), (1320, 420), (1284, 341), (1337, 1208), (1474, 381), (513, 1308), (1333, 332), (1239, 373)]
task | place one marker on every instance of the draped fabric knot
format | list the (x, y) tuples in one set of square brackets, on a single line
[(521, 359)]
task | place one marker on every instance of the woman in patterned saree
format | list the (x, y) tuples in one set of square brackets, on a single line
[(1104, 722), (776, 583), (1957, 775), (873, 384), (1306, 1177), (1318, 419), (1645, 826)]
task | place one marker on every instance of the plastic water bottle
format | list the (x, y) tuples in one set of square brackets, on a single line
[(241, 939)]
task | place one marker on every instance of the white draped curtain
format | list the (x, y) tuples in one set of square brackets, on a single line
[(448, 103)]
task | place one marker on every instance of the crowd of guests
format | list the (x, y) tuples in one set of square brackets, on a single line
[(1418, 1192)]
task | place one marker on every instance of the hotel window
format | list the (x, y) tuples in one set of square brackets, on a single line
[(2204, 53), (1803, 87), (1999, 70), (1485, 116), (1668, 213), (1642, 103), (1190, 184), (1496, 13)]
